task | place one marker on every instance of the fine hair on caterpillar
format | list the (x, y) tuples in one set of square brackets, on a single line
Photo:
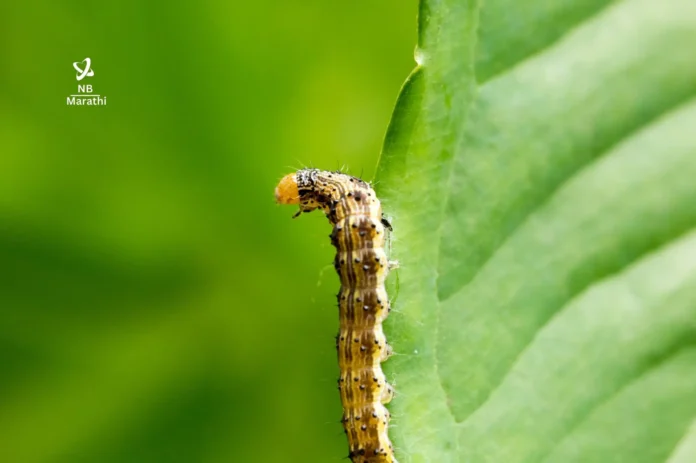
[(359, 230)]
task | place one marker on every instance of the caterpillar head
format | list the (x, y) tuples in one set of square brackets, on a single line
[(287, 192), (303, 188)]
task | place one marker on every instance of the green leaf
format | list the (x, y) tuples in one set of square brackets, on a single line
[(540, 173)]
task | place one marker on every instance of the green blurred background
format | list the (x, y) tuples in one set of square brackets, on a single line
[(155, 304)]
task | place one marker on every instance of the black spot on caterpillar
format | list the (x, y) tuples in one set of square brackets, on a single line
[(358, 234)]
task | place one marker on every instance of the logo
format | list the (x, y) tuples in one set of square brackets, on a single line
[(87, 72), (85, 95)]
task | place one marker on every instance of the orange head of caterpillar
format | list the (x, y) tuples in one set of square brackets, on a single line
[(301, 188), (287, 192)]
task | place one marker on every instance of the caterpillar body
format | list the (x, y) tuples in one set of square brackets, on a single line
[(358, 234)]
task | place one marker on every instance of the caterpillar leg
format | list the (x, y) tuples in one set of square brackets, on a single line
[(387, 394), (386, 223), (387, 352)]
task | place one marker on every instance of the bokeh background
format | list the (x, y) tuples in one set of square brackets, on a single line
[(155, 304)]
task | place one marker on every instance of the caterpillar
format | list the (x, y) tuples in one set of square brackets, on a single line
[(358, 234)]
